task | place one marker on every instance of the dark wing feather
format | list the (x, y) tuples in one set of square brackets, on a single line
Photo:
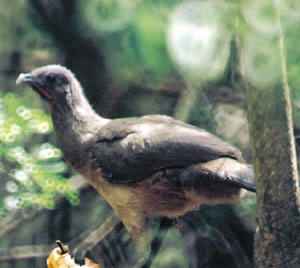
[(226, 169), (129, 150)]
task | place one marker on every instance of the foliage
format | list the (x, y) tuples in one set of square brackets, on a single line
[(17, 32), (146, 46), (146, 42), (133, 37), (31, 176), (197, 36)]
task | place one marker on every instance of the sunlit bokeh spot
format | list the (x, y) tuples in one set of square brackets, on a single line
[(261, 55), (12, 202), (24, 112), (61, 188), (30, 168), (39, 126), (10, 137), (57, 168), (261, 16), (15, 129), (73, 198), (20, 175), (198, 41), (11, 187), (43, 127), (49, 183), (47, 151)]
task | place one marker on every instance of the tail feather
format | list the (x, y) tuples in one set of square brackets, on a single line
[(232, 171), (209, 174)]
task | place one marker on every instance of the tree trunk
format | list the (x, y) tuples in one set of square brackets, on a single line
[(278, 235), (271, 131)]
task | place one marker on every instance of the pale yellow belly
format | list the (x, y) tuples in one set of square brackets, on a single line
[(152, 197)]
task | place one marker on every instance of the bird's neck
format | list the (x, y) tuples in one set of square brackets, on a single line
[(76, 125)]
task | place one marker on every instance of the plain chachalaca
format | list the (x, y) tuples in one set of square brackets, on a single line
[(144, 166)]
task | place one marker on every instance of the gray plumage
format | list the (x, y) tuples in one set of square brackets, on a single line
[(143, 166)]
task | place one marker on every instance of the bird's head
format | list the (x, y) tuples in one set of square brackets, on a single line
[(53, 82)]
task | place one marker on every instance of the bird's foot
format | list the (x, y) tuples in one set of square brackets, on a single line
[(176, 223)]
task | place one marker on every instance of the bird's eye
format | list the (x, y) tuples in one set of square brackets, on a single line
[(51, 79)]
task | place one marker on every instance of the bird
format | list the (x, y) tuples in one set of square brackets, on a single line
[(144, 167)]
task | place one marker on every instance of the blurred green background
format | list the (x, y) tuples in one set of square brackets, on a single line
[(188, 59)]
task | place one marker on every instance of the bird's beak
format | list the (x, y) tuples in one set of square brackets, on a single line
[(25, 79), (28, 79)]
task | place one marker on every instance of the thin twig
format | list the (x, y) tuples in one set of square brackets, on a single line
[(42, 251)]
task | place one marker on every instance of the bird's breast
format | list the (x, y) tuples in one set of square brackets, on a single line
[(161, 194), (153, 196)]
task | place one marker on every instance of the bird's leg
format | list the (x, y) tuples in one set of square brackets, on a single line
[(165, 225), (140, 234)]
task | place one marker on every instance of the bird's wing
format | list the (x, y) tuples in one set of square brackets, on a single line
[(129, 150)]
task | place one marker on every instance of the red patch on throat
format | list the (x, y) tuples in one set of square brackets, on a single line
[(44, 92)]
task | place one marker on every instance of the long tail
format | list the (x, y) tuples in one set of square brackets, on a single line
[(217, 172), (232, 171)]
